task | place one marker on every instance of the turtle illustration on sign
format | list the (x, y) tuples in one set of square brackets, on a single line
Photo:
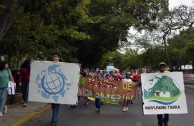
[(52, 82), (161, 89)]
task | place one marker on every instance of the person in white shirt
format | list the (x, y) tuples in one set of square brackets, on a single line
[(55, 106), (162, 118), (125, 100)]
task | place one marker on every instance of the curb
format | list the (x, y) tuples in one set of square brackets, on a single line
[(30, 116)]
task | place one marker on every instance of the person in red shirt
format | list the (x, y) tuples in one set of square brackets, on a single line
[(24, 78), (134, 76), (139, 78)]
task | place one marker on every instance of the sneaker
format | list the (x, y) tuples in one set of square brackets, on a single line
[(53, 124), (1, 114), (131, 101), (126, 108), (165, 124), (98, 111), (5, 110), (25, 104)]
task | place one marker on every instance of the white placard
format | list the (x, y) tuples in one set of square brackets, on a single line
[(54, 82), (163, 93)]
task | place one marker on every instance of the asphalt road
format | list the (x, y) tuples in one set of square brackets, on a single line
[(112, 115)]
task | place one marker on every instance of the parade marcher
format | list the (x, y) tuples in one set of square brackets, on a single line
[(24, 78), (134, 76), (83, 74), (125, 100), (55, 106), (5, 77), (97, 97), (162, 118), (139, 81), (97, 103)]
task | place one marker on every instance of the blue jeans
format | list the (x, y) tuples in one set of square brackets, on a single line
[(97, 103), (3, 97), (25, 91), (55, 112), (163, 119)]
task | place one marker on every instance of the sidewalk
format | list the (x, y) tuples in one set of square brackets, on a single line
[(18, 115)]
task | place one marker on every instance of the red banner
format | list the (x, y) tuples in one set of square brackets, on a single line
[(106, 89)]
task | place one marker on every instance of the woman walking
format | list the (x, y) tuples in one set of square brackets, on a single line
[(5, 77), (24, 80)]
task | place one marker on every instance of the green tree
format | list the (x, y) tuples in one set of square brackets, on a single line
[(130, 60), (152, 56), (81, 30), (116, 58), (112, 20), (45, 28)]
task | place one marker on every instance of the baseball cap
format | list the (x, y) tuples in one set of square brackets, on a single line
[(127, 73), (162, 64)]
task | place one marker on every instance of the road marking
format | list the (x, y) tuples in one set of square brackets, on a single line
[(139, 124), (32, 115)]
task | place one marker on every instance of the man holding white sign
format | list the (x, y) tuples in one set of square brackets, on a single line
[(54, 82), (162, 118), (163, 94)]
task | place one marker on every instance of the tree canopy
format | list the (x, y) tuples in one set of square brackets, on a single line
[(90, 31)]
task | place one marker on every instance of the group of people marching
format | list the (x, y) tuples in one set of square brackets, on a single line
[(106, 77), (111, 79), (124, 76)]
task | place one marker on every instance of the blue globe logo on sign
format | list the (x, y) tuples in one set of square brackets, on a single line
[(53, 83)]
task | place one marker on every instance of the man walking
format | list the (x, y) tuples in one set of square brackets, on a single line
[(162, 118), (55, 107)]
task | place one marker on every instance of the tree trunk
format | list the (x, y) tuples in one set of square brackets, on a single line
[(165, 49), (7, 18)]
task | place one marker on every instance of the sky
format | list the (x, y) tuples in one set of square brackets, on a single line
[(174, 3)]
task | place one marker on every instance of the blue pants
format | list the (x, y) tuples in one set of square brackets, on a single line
[(97, 103), (162, 119), (55, 112), (3, 97), (25, 91)]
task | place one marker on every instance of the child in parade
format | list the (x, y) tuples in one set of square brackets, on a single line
[(97, 103), (125, 100), (99, 82), (134, 78)]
